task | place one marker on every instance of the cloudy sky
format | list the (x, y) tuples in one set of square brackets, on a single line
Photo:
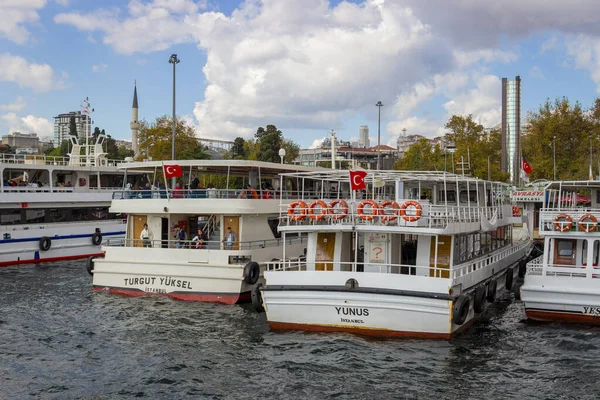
[(306, 66)]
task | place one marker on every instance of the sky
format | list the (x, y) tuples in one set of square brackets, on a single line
[(307, 66)]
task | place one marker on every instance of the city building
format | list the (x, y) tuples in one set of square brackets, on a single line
[(347, 156), (363, 137), (511, 128), (404, 142), (22, 140), (62, 122)]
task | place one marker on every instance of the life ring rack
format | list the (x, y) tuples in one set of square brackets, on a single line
[(561, 226), (343, 209), (374, 210), (395, 210), (319, 216), (298, 204)]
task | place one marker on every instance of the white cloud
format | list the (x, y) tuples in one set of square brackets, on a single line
[(17, 105), (317, 143), (39, 77), (63, 3), (99, 68), (17, 13), (585, 52), (28, 124), (536, 72)]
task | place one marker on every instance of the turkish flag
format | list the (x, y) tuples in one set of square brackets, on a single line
[(526, 167), (172, 171), (357, 180)]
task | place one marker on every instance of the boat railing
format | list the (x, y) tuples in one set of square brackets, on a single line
[(57, 189), (491, 258), (427, 215), (42, 159), (537, 267), (564, 220), (162, 193), (205, 244)]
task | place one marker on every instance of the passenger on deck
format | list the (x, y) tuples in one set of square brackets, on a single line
[(198, 241), (146, 236), (177, 192)]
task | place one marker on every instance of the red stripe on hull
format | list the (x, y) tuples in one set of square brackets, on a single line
[(222, 298), (362, 331), (554, 316), (49, 259)]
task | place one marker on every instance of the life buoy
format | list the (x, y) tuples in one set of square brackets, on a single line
[(96, 238), (516, 211), (322, 214), (374, 210), (389, 217), (82, 182), (251, 272), (292, 210), (479, 299), (45, 243), (491, 291), (342, 210), (509, 279), (256, 297), (90, 265), (561, 226), (522, 268), (460, 311), (418, 210), (588, 226)]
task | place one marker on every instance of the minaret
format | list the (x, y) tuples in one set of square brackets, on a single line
[(135, 124)]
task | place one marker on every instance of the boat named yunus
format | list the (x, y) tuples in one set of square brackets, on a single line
[(393, 253)]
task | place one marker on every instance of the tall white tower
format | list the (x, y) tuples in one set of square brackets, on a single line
[(363, 136), (135, 123)]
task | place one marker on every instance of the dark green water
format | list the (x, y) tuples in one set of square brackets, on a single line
[(58, 340)]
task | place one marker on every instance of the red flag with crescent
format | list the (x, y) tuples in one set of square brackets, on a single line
[(357, 180), (526, 167), (172, 171)]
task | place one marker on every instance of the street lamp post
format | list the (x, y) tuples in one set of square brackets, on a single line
[(332, 149), (554, 154), (173, 60), (591, 173), (379, 105)]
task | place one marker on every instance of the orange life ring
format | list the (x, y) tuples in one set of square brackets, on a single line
[(389, 217), (587, 226), (561, 226), (343, 209), (418, 210), (374, 210), (292, 210), (516, 211), (317, 217)]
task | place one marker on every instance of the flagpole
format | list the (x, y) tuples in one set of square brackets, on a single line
[(165, 179)]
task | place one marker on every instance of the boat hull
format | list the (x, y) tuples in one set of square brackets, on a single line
[(68, 242), (551, 298)]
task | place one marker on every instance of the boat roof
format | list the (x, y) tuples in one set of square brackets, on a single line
[(222, 166), (573, 185), (392, 175)]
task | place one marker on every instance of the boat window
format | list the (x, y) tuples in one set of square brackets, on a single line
[(472, 196), (596, 251), (273, 224), (565, 248), (584, 252), (451, 196), (10, 217)]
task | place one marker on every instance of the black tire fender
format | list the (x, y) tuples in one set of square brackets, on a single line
[(517, 291), (97, 238), (522, 268), (90, 265), (45, 243), (491, 291), (479, 299), (251, 272), (257, 301), (460, 311), (508, 283)]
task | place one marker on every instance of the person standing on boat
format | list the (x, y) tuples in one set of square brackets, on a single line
[(198, 239), (146, 236), (230, 238)]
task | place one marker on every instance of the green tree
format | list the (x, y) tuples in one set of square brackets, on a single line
[(419, 157), (269, 141), (566, 127), (239, 151), (155, 140), (61, 151)]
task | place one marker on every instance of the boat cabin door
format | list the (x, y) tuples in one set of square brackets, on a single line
[(564, 251), (444, 246), (138, 226), (325, 251)]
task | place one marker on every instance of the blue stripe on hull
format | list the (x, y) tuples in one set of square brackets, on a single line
[(83, 235)]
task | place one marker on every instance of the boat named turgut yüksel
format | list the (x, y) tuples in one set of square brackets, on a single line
[(416, 254), (563, 284), (229, 224), (56, 208)]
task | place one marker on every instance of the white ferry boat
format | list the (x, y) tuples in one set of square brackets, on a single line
[(238, 196), (56, 208), (563, 284), (417, 254)]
